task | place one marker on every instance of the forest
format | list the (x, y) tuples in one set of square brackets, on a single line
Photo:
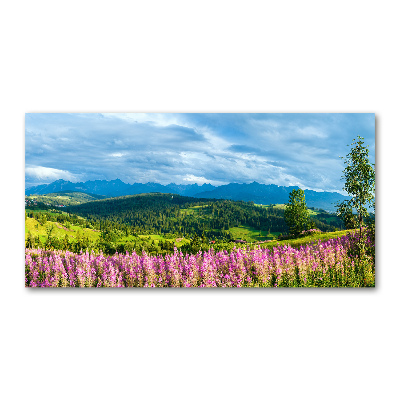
[(153, 223), (159, 213)]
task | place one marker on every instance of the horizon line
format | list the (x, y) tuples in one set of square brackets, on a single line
[(183, 184)]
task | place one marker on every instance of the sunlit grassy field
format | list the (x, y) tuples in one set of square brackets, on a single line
[(307, 239), (35, 228), (250, 234)]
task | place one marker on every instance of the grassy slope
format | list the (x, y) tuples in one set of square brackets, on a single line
[(35, 228), (201, 213), (308, 239), (250, 234), (65, 198), (59, 230), (178, 242), (246, 233)]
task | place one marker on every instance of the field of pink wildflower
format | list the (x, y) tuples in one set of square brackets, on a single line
[(319, 264)]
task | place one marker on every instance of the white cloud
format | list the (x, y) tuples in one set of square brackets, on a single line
[(160, 120), (295, 149), (311, 131), (49, 174)]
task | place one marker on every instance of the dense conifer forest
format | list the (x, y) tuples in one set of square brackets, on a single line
[(165, 213)]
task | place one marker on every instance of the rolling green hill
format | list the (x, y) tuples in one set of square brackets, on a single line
[(66, 236), (44, 233), (64, 198), (160, 213), (159, 222)]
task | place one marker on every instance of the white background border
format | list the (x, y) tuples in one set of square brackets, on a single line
[(181, 56)]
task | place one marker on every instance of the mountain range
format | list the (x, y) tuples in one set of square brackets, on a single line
[(256, 192)]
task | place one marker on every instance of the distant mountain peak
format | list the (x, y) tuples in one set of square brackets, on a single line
[(257, 192)]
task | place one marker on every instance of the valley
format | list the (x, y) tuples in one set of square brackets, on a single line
[(156, 223), (158, 239)]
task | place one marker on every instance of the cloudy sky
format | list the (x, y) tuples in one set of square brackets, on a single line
[(283, 149)]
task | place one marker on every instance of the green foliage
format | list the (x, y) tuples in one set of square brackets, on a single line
[(297, 216), (196, 244), (359, 177), (30, 242), (371, 237), (181, 216), (156, 223), (345, 212), (295, 242)]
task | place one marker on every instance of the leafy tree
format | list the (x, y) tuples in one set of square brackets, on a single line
[(43, 219), (345, 212), (359, 176), (66, 243), (297, 216), (30, 241)]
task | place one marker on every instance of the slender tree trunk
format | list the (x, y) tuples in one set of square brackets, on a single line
[(360, 250)]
